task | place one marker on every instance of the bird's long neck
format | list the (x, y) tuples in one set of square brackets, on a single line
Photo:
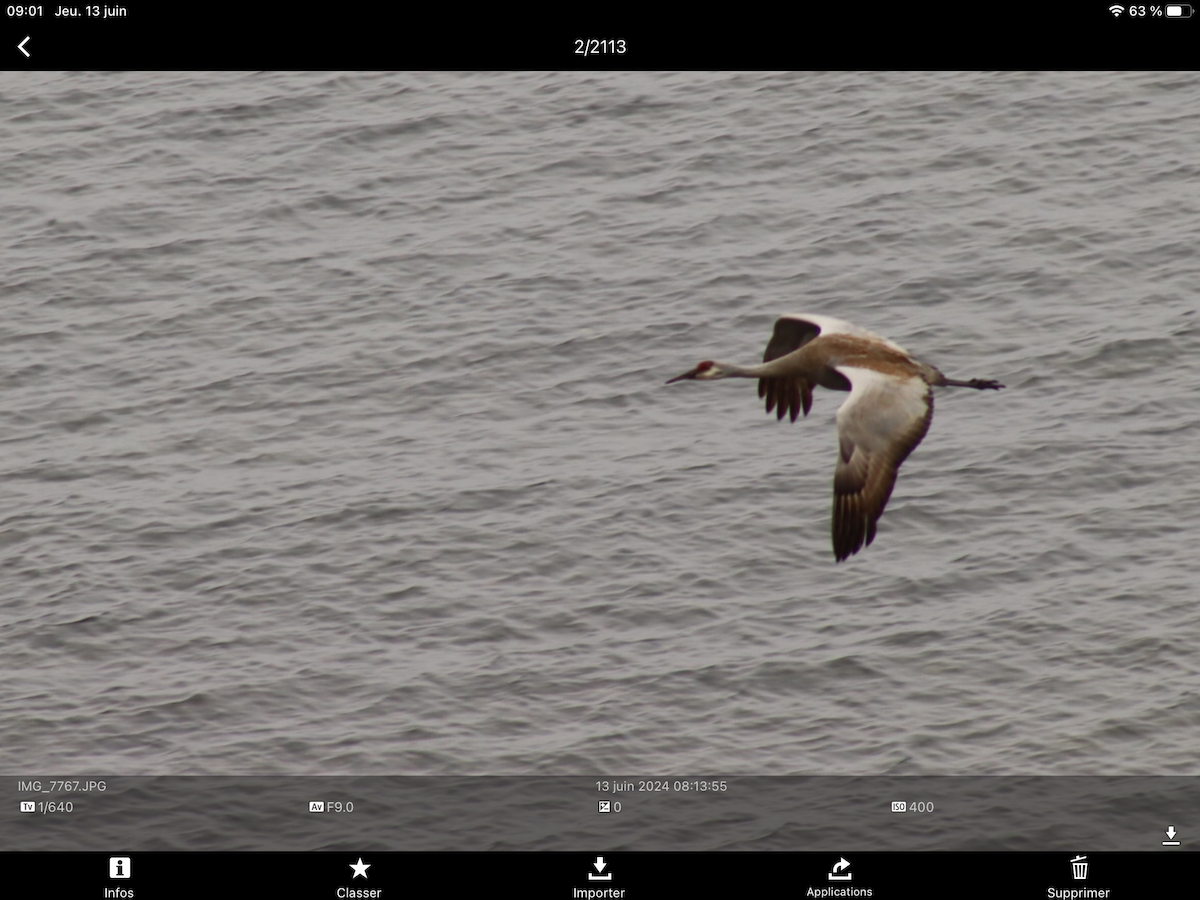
[(772, 369)]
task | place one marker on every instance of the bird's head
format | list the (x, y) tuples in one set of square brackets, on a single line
[(706, 371)]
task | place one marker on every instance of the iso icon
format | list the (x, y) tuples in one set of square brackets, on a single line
[(899, 806)]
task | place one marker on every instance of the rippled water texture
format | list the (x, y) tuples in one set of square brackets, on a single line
[(336, 439)]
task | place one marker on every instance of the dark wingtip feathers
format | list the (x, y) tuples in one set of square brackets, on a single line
[(786, 396)]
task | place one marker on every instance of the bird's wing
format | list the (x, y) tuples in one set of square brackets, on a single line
[(803, 327), (791, 395), (881, 422)]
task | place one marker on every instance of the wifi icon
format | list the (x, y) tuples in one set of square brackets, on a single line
[(1116, 10)]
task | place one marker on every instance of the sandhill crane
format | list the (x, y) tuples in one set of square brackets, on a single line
[(887, 413)]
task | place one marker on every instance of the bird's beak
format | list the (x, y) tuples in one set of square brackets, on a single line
[(691, 374)]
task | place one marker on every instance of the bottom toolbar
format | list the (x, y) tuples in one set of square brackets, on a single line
[(625, 874)]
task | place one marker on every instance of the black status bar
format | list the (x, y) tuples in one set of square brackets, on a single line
[(599, 875), (161, 36)]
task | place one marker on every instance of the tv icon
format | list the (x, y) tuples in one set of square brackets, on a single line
[(118, 867), (28, 806), (899, 806)]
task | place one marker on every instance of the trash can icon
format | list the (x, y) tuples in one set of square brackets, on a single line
[(1079, 868)]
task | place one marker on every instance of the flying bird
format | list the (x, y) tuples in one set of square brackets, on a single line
[(886, 415)]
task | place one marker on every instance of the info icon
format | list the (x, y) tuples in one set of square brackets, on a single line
[(118, 867)]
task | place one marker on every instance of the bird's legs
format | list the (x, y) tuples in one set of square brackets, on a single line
[(980, 384)]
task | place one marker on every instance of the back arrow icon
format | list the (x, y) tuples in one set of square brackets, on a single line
[(21, 46)]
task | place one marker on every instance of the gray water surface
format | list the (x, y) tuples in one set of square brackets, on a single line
[(336, 439)]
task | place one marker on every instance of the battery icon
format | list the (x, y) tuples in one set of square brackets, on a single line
[(1179, 11)]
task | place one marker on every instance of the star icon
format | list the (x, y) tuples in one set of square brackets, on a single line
[(360, 868)]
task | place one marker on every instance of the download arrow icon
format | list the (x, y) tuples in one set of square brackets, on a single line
[(599, 865)]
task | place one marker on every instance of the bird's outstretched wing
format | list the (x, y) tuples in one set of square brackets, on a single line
[(788, 395), (791, 395), (879, 425)]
